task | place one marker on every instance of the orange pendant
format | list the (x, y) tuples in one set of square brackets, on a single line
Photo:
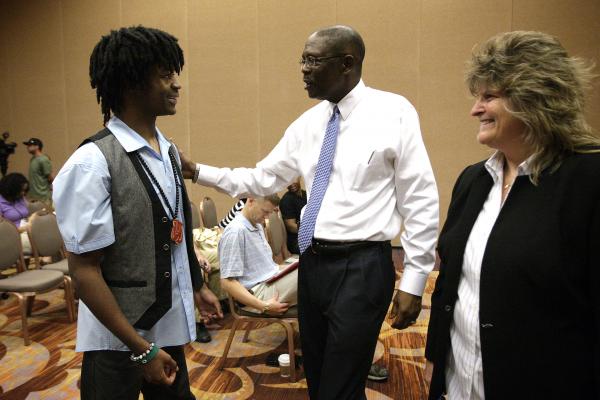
[(177, 231)]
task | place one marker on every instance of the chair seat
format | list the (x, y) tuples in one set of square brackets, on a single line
[(62, 266), (292, 312), (31, 281)]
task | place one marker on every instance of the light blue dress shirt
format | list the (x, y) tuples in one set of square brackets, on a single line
[(83, 210), (245, 254)]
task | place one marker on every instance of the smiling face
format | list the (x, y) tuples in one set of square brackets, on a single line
[(498, 128), (160, 95)]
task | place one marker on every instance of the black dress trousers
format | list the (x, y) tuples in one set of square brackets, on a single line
[(343, 296), (111, 375)]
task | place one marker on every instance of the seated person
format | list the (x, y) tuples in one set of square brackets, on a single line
[(206, 241), (291, 206), (247, 262), (13, 205)]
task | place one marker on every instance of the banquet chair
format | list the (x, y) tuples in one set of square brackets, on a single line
[(35, 205), (46, 241), (277, 238), (196, 220), (208, 211), (242, 316), (26, 284)]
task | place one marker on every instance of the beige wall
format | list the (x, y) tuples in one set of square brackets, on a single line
[(242, 84)]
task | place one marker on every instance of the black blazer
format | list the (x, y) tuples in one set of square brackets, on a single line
[(540, 284)]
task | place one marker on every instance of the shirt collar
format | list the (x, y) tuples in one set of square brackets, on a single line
[(247, 224), (351, 100), (495, 166), (131, 140)]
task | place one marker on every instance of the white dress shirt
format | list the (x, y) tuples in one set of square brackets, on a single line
[(381, 177), (464, 369), (84, 214)]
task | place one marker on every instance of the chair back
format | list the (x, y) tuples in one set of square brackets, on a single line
[(10, 246), (208, 212), (196, 220), (44, 235), (35, 205), (277, 237)]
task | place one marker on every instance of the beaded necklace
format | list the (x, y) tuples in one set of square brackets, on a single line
[(176, 225)]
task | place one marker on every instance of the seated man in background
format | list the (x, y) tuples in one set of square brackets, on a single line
[(247, 261), (291, 206)]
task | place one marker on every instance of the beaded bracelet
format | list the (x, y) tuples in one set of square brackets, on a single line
[(150, 355), (146, 356)]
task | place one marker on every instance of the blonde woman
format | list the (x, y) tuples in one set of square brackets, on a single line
[(516, 308)]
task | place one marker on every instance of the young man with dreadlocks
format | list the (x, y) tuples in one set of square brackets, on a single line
[(124, 214)]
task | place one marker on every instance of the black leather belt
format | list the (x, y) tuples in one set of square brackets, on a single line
[(320, 246)]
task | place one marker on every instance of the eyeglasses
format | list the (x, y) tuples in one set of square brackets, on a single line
[(311, 61)]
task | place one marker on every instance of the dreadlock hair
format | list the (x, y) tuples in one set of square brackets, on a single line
[(123, 60), (545, 89)]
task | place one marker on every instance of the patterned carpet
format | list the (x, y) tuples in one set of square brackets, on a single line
[(49, 368)]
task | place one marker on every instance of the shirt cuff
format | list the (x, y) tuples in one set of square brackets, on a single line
[(207, 175), (196, 173), (78, 248), (413, 282)]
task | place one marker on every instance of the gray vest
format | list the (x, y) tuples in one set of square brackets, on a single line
[(137, 266)]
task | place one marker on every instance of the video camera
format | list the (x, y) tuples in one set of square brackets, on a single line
[(6, 148), (10, 147)]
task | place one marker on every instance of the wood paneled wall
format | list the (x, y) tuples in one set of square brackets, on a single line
[(241, 83)]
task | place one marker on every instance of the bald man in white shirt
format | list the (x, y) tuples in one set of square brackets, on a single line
[(378, 180)]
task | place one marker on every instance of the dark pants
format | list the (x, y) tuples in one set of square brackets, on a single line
[(343, 297), (112, 375)]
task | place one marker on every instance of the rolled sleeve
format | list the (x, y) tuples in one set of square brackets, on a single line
[(82, 201)]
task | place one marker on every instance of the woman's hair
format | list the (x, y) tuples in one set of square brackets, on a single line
[(123, 60), (11, 186), (545, 89)]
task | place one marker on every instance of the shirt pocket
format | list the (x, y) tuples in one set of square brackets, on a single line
[(370, 171)]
